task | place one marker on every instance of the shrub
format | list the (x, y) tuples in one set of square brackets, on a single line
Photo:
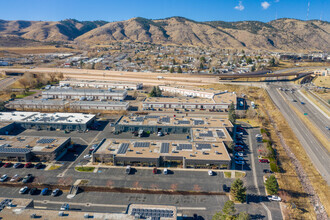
[(274, 167)]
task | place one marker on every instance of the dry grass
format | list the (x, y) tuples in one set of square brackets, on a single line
[(315, 130), (35, 50), (227, 174), (289, 64), (239, 174), (322, 81)]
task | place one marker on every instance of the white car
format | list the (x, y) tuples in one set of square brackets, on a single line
[(3, 178), (159, 134), (14, 178), (239, 154), (274, 198), (64, 207), (87, 156), (165, 171), (210, 172), (23, 190)]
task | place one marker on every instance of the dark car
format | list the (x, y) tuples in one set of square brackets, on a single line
[(27, 178), (154, 170), (267, 171), (38, 166), (225, 188), (33, 191)]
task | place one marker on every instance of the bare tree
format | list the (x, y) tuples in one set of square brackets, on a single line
[(24, 82), (52, 76)]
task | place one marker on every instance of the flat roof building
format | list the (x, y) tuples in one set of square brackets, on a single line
[(221, 101), (170, 124), (191, 91), (49, 121), (163, 153), (29, 148), (60, 105), (89, 94), (101, 84)]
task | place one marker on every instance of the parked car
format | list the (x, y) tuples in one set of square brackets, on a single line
[(28, 165), (263, 161), (64, 207), (154, 170), (165, 171), (159, 134), (3, 178), (27, 178), (23, 190), (33, 191), (14, 178), (240, 162), (128, 170), (38, 166), (17, 165), (274, 198), (55, 192), (239, 149), (87, 156), (239, 154), (7, 165), (239, 158), (210, 172), (267, 171), (44, 192), (225, 188)]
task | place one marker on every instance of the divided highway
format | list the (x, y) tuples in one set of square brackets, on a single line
[(318, 154)]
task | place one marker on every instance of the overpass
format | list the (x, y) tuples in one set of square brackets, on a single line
[(268, 75)]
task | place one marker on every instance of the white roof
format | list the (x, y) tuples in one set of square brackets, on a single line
[(39, 117)]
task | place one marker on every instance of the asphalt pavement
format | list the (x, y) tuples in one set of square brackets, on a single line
[(318, 154)]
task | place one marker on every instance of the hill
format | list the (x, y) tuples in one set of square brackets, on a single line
[(278, 35)]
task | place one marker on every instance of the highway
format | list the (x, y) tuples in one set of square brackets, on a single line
[(318, 154)]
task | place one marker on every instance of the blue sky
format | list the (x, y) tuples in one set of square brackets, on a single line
[(199, 10)]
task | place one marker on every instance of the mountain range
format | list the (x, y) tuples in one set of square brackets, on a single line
[(277, 35)]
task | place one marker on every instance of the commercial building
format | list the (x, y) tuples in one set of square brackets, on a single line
[(170, 124), (191, 92), (89, 94), (168, 153), (322, 72), (102, 84), (28, 148), (60, 105), (49, 121), (99, 105), (38, 104), (220, 103)]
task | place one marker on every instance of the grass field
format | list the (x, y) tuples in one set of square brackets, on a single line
[(322, 81), (54, 167), (85, 169)]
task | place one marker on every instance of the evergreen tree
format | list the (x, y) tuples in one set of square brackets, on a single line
[(153, 92), (203, 60), (272, 185), (227, 212), (158, 92), (232, 114), (249, 60), (253, 68), (172, 70), (238, 191), (201, 66), (179, 69), (271, 62)]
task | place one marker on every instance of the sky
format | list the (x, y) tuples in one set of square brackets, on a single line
[(198, 10)]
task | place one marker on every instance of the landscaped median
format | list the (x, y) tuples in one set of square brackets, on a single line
[(84, 169)]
